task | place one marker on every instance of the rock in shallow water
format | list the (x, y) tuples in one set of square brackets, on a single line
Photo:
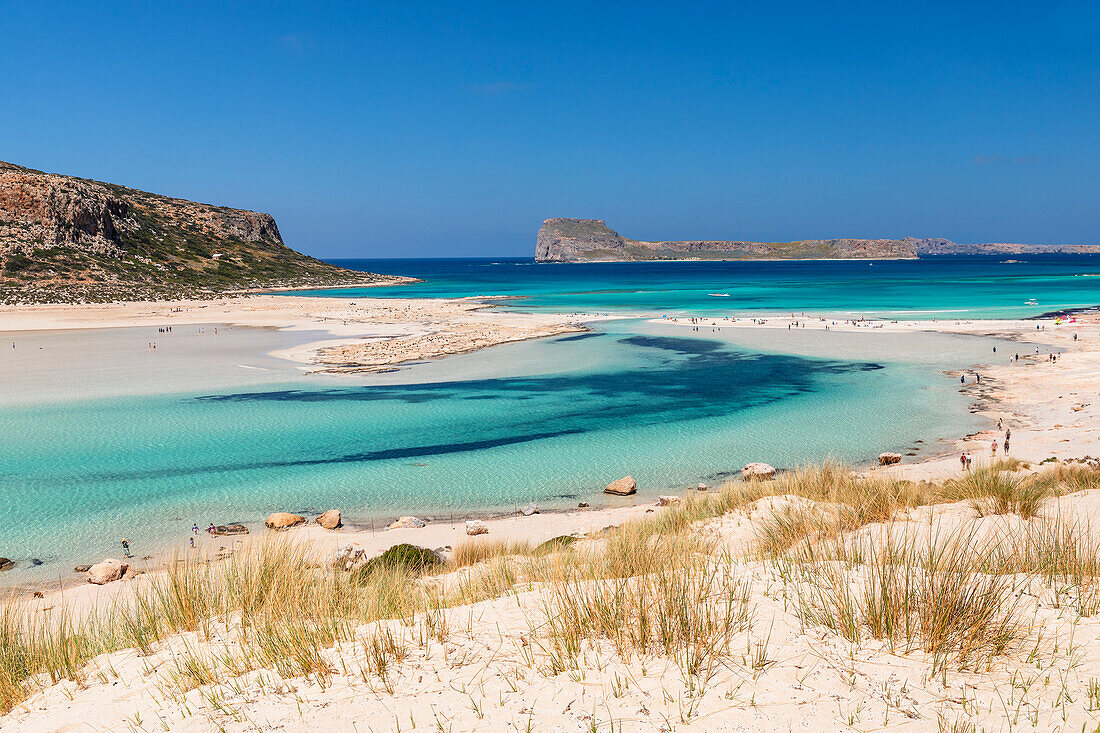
[(223, 530), (623, 487), (6, 564), (886, 459), (330, 519), (282, 520), (757, 472)]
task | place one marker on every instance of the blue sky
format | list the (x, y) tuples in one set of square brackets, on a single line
[(423, 129)]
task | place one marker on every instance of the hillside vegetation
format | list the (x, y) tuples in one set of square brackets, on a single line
[(73, 240)]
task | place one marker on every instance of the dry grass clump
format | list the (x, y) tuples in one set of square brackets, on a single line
[(843, 502), (931, 595), (1009, 463), (276, 603), (1069, 478), (791, 525), (1064, 554), (991, 491), (871, 498), (664, 597), (479, 550)]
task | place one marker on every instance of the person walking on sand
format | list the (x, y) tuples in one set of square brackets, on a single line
[(192, 542), (993, 450), (1006, 446), (195, 526)]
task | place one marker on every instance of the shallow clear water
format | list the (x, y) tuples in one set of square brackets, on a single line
[(945, 287), (104, 438), (632, 397)]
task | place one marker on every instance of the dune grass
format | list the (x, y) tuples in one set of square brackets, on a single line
[(480, 549), (929, 593), (993, 491), (654, 586)]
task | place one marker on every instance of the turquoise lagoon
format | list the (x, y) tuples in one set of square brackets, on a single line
[(104, 439)]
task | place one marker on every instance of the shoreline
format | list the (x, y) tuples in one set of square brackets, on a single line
[(1024, 394), (399, 327)]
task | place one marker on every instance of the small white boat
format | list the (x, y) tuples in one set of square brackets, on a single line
[(719, 295), (1032, 301)]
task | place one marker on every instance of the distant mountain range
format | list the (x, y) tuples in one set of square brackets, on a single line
[(591, 240), (75, 240)]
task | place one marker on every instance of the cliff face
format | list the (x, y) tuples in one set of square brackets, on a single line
[(72, 239), (591, 240)]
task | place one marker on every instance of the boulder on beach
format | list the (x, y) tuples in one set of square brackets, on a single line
[(282, 520), (223, 530), (667, 500), (702, 487), (582, 505), (107, 571), (623, 487), (82, 568), (6, 564), (408, 523), (757, 472), (886, 459), (529, 510), (330, 519), (476, 527), (347, 556)]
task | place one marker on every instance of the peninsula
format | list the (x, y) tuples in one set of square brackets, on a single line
[(66, 239), (591, 240)]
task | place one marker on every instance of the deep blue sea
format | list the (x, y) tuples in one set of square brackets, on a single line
[(212, 429), (944, 286)]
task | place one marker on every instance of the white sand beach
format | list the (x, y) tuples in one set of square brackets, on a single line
[(494, 668)]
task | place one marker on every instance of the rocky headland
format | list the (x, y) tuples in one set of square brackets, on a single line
[(591, 240), (66, 239)]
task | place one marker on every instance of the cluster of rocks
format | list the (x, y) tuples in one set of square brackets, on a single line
[(331, 519)]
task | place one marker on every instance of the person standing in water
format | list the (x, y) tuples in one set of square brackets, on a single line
[(126, 547)]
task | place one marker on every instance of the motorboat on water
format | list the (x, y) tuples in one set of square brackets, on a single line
[(719, 295)]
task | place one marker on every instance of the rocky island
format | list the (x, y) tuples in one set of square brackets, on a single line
[(77, 240), (591, 240)]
